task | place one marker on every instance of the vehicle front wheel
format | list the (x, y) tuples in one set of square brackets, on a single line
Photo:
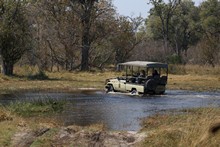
[(110, 88), (133, 91)]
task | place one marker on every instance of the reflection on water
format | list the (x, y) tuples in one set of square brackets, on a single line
[(119, 111)]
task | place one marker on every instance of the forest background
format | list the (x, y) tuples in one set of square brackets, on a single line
[(70, 35)]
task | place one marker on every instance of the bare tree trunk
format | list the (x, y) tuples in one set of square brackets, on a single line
[(8, 68), (165, 40), (86, 41), (85, 55), (58, 68)]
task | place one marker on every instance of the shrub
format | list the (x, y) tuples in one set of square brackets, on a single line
[(174, 59), (39, 76), (177, 69)]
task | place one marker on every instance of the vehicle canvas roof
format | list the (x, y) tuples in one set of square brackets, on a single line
[(145, 64)]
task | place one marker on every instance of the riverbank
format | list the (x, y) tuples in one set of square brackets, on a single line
[(68, 82), (32, 124), (192, 127)]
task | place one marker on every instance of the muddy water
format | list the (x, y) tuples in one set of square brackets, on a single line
[(119, 111)]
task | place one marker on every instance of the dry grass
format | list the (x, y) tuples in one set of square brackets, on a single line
[(202, 70), (8, 126), (196, 78), (62, 81), (194, 69), (198, 127), (194, 82), (13, 126)]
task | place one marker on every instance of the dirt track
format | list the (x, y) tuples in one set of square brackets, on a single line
[(74, 136)]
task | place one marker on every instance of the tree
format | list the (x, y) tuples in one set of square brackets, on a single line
[(103, 30), (59, 32), (164, 12), (183, 27), (87, 14), (176, 26), (210, 21), (14, 33), (63, 35), (126, 37)]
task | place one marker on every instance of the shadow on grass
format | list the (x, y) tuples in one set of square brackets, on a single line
[(38, 76), (42, 76)]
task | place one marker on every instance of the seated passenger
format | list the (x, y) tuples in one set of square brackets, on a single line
[(155, 74), (143, 74), (136, 79)]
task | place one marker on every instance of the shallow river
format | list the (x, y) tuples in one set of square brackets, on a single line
[(119, 111)]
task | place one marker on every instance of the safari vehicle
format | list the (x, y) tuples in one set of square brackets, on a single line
[(140, 77)]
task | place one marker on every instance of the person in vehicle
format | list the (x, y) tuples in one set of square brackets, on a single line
[(136, 77), (155, 73), (142, 74)]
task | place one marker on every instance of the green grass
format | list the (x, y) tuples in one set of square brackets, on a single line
[(30, 115), (38, 107)]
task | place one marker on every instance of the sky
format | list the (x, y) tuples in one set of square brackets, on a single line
[(134, 8)]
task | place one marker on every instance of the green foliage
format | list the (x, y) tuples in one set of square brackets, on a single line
[(14, 33), (36, 107), (154, 27), (210, 22), (210, 16), (174, 59), (71, 29), (126, 38), (175, 23)]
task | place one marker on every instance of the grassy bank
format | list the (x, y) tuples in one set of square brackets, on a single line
[(191, 128), (20, 117), (62, 81), (194, 77), (68, 82), (194, 82), (182, 77), (194, 127)]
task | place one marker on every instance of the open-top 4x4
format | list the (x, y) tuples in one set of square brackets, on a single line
[(140, 77)]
